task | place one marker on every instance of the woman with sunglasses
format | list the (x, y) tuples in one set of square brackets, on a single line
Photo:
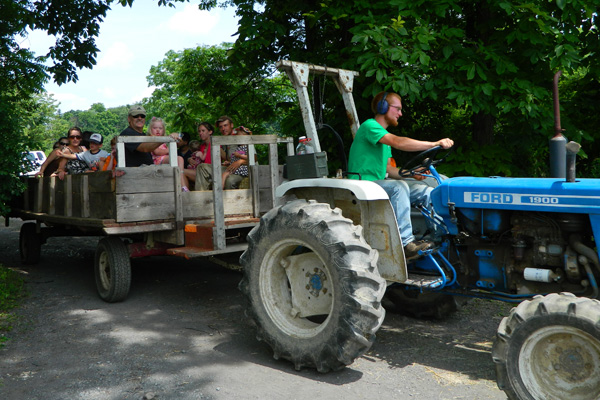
[(50, 166), (72, 166)]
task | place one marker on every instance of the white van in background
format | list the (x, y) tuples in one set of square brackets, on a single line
[(36, 158)]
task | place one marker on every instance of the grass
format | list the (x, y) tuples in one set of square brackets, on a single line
[(12, 289)]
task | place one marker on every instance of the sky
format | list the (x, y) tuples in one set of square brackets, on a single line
[(132, 40)]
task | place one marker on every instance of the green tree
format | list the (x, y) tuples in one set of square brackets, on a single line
[(483, 68), (75, 25), (201, 84)]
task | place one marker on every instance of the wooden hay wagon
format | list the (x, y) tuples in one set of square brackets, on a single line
[(143, 212)]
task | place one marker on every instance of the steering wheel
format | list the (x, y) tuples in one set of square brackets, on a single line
[(423, 161)]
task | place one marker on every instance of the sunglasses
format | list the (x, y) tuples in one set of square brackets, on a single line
[(142, 116), (64, 143), (75, 137)]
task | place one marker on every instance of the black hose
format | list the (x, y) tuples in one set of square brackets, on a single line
[(340, 145)]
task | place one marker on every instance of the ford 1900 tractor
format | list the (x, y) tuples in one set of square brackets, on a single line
[(317, 266)]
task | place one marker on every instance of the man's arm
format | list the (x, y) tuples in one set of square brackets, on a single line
[(150, 147), (407, 144)]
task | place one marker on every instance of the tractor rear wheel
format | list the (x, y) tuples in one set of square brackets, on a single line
[(549, 348), (313, 286)]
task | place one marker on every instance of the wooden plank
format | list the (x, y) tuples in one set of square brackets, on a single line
[(193, 252), (62, 220), (100, 182), (139, 228), (151, 179), (103, 206), (68, 195), (254, 186), (219, 208), (52, 195), (178, 202), (145, 206), (243, 139), (85, 195), (39, 196), (199, 204)]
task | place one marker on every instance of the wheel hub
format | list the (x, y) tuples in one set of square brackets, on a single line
[(561, 359), (572, 364), (316, 281)]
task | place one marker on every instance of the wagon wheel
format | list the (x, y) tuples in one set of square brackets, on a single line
[(30, 244), (112, 269), (313, 286), (549, 348)]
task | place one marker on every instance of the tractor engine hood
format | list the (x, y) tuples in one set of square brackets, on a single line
[(523, 194)]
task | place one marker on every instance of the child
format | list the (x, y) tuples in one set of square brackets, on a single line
[(198, 156), (160, 155), (237, 174), (92, 156), (110, 162)]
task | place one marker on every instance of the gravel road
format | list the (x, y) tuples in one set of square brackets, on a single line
[(182, 335)]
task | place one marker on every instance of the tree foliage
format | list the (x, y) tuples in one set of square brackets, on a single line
[(483, 68), (201, 84), (75, 24)]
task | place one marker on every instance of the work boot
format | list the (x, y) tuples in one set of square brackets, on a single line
[(411, 250)]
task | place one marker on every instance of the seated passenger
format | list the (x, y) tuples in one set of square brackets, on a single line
[(197, 157), (160, 155), (137, 154), (183, 148), (50, 165), (93, 155), (72, 166), (109, 163), (237, 169)]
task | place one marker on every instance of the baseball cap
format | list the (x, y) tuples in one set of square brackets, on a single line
[(137, 110), (96, 138)]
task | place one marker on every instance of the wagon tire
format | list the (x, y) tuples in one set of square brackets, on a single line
[(30, 244), (549, 348), (312, 285), (112, 270)]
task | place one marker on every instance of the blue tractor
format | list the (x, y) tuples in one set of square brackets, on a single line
[(318, 265)]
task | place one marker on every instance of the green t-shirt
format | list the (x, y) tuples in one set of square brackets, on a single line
[(368, 157)]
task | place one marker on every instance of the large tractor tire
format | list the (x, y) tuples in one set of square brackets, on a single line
[(30, 244), (549, 348), (313, 286), (420, 305), (112, 269)]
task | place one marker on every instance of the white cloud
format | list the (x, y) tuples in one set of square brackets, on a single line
[(70, 101), (193, 21), (147, 92), (118, 55), (107, 92)]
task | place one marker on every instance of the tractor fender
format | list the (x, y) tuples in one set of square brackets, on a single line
[(363, 190), (367, 205)]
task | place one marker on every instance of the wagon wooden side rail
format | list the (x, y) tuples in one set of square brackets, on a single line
[(145, 206)]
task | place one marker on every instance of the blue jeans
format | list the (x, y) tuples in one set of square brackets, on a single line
[(402, 194)]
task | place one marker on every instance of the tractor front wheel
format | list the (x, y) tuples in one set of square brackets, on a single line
[(549, 348)]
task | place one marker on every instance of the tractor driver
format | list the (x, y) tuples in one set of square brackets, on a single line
[(370, 156)]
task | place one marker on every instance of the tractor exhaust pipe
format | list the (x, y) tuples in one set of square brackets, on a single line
[(558, 153)]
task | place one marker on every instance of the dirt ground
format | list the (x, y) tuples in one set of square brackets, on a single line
[(182, 334)]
